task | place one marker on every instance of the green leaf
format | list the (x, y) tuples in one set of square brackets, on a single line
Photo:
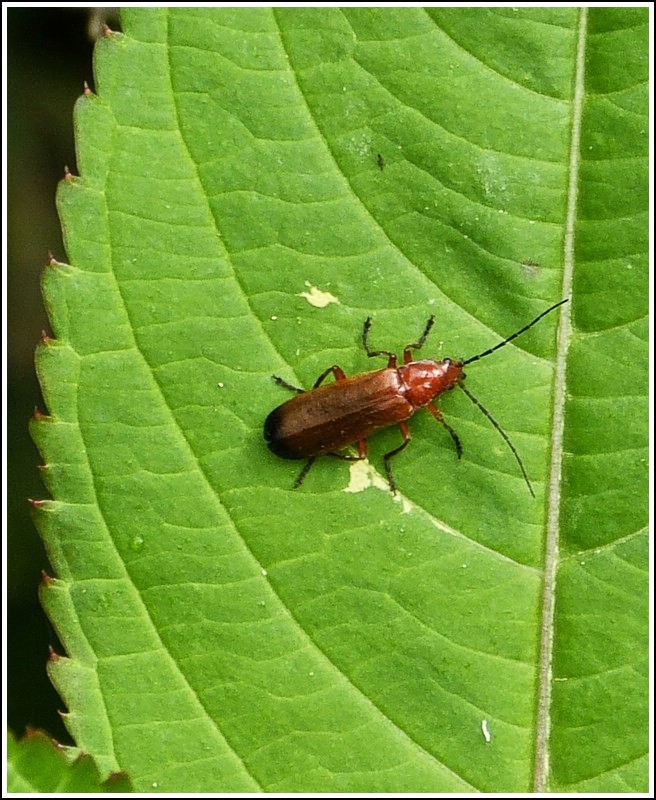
[(254, 184), (38, 765)]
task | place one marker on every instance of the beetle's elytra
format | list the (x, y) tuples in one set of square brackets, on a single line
[(328, 418)]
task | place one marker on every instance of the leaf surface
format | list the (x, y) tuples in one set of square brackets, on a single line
[(253, 184), (38, 765)]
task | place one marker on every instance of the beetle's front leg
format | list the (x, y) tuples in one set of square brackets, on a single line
[(435, 411)]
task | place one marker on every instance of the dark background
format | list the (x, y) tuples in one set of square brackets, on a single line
[(49, 56)]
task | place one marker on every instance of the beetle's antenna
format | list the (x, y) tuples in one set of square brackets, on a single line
[(505, 436), (514, 335)]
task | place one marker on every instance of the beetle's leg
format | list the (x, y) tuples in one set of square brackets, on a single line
[(405, 430), (362, 452), (285, 385), (338, 372), (435, 411), (301, 475), (391, 357), (407, 354)]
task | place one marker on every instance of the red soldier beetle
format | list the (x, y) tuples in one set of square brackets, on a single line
[(328, 418)]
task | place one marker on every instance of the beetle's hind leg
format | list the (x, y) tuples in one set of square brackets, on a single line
[(362, 453), (338, 372), (282, 382), (301, 475)]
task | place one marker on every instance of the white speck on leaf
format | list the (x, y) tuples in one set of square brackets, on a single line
[(317, 298), (362, 476)]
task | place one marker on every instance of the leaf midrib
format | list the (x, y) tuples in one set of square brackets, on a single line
[(564, 335)]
